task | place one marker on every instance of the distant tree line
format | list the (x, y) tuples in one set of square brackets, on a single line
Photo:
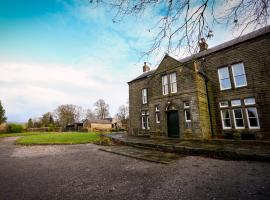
[(69, 114)]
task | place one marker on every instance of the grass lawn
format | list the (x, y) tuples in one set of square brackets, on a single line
[(59, 138)]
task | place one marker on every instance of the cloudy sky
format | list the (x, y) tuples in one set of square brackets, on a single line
[(55, 52)]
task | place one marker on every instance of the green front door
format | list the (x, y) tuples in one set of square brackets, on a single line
[(173, 124)]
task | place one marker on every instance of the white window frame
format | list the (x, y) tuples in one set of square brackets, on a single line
[(147, 122), (233, 67), (224, 106), (144, 96), (186, 116), (185, 105), (246, 103), (143, 116), (238, 127), (165, 86), (236, 100), (222, 119), (257, 117), (157, 114), (219, 77), (173, 84)]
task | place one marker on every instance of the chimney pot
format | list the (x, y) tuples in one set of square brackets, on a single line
[(146, 68), (203, 45)]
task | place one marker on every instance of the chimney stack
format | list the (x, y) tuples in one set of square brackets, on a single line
[(203, 45), (146, 68)]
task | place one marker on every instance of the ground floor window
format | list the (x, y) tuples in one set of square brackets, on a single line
[(157, 113), (187, 114), (252, 115), (246, 110), (226, 119), (145, 120), (238, 118)]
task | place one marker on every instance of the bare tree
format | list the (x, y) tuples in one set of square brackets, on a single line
[(68, 114), (122, 114), (101, 109), (182, 23), (89, 114)]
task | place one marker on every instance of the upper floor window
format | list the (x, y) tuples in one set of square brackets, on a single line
[(224, 78), (239, 75), (165, 85), (173, 83), (144, 96)]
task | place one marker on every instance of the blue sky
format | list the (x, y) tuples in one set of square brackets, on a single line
[(55, 52)]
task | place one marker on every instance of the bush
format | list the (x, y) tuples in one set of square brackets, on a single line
[(14, 128)]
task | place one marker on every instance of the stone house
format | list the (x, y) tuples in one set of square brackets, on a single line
[(219, 92)]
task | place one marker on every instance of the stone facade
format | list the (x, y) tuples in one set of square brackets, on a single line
[(198, 86)]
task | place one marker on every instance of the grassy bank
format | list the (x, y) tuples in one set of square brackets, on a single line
[(59, 138)]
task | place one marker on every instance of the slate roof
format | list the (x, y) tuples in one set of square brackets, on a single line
[(230, 43), (144, 75), (220, 47)]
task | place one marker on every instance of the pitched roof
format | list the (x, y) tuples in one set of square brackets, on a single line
[(230, 43), (217, 48), (144, 75), (99, 121)]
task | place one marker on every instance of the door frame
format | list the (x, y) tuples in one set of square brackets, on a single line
[(178, 124)]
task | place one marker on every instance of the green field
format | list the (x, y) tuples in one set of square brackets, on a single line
[(59, 138)]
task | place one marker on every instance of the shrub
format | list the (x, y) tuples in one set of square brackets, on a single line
[(14, 128), (103, 140)]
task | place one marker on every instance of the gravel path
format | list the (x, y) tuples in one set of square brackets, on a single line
[(83, 172)]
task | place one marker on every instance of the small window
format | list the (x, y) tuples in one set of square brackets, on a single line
[(144, 96), (253, 121), (186, 104), (157, 114), (173, 83), (224, 78), (226, 119), (239, 75), (249, 101), (145, 120), (224, 104), (187, 116), (165, 86), (238, 119), (236, 102)]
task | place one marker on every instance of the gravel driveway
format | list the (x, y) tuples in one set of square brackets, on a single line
[(83, 172)]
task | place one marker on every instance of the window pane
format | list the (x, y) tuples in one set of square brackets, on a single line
[(253, 122), (173, 77), (223, 73), (164, 80), (186, 104), (236, 102), (225, 114), (238, 113), (187, 115), (239, 122), (225, 83), (252, 112), (227, 123), (223, 104), (173, 87), (249, 101), (240, 80), (238, 69)]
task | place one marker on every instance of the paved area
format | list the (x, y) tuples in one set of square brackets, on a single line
[(225, 149), (84, 172), (143, 154)]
